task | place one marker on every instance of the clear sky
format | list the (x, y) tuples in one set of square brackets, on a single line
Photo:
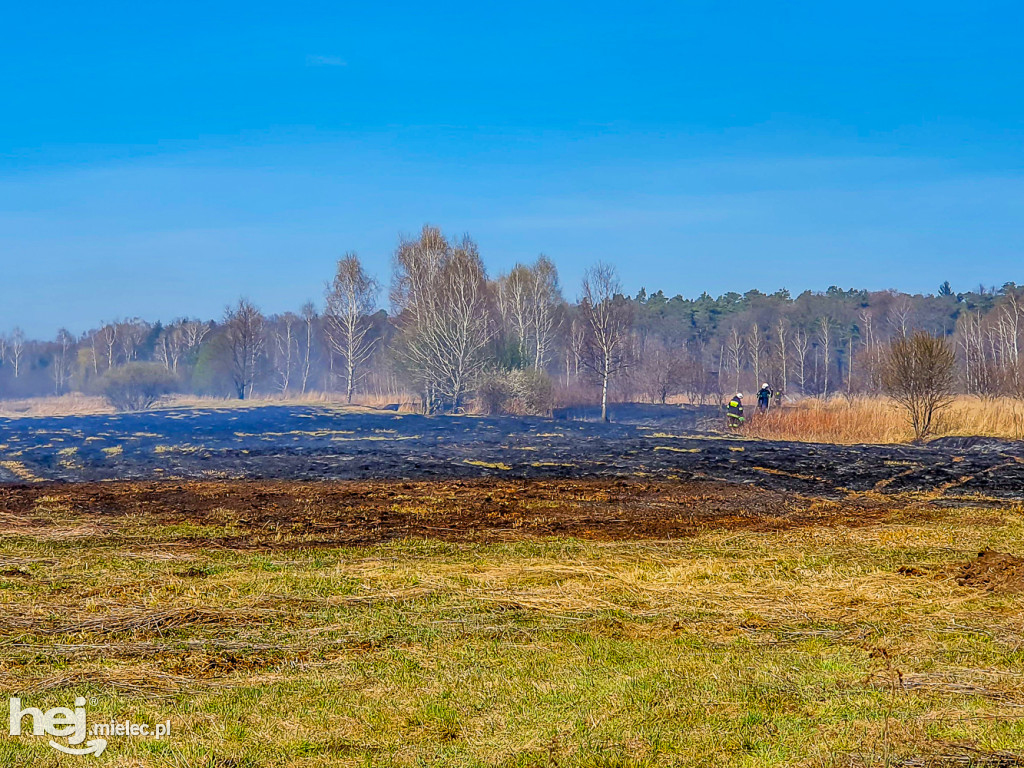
[(161, 159)]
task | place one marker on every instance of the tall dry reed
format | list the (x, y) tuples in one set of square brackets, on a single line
[(881, 420)]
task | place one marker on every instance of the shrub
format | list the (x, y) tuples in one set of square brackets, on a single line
[(492, 393), (919, 373), (532, 393), (525, 392), (136, 386)]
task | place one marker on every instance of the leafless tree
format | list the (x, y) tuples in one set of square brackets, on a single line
[(109, 336), (193, 333), (700, 384), (528, 299), (920, 373), (62, 361), (16, 350), (131, 334), (661, 370), (577, 336), (285, 349), (608, 320), (1010, 321), (734, 346), (444, 314), (245, 338), (871, 351), (758, 348), (94, 352), (850, 341), (168, 347), (782, 352), (826, 329), (979, 367), (547, 301), (801, 345), (899, 316), (308, 320), (351, 299), (514, 304), (178, 340)]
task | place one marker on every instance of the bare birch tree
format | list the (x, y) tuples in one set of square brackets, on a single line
[(308, 320), (17, 350), (131, 334), (443, 310), (109, 336), (178, 341), (899, 316), (351, 299), (547, 301), (577, 335), (801, 345), (61, 364), (168, 347), (826, 330), (528, 300), (757, 350), (515, 305), (782, 352), (734, 346), (608, 320), (193, 332), (286, 350), (245, 338)]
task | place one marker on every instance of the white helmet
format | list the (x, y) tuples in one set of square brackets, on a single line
[(739, 395), (765, 385)]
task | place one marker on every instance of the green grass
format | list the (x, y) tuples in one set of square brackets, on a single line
[(730, 648)]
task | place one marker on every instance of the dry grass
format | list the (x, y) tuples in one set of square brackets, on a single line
[(880, 420), (67, 405), (817, 646), (87, 405), (406, 402)]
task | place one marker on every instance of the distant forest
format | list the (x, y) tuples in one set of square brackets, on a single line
[(454, 338)]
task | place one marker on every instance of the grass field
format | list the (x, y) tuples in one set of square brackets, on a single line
[(880, 420), (841, 642)]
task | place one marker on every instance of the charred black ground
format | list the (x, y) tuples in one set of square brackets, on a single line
[(321, 443)]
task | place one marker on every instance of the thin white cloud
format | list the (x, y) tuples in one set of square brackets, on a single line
[(325, 61)]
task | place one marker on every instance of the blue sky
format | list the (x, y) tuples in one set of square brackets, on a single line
[(162, 159)]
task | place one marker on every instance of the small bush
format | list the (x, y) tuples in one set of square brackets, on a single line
[(493, 393), (919, 373), (532, 393), (136, 386), (517, 392)]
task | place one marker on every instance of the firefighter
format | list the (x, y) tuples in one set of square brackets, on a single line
[(764, 397), (734, 412)]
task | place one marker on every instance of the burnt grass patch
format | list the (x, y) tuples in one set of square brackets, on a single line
[(309, 443), (277, 515)]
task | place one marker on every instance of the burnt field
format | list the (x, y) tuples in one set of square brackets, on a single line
[(292, 443), (285, 515), (404, 591)]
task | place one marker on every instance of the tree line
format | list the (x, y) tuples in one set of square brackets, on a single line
[(455, 338)]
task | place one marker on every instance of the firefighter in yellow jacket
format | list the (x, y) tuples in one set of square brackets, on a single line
[(734, 412)]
